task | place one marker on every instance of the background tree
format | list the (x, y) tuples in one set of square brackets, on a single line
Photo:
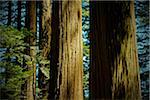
[(44, 41), (31, 26), (114, 72), (66, 51), (3, 13), (9, 12), (19, 15)]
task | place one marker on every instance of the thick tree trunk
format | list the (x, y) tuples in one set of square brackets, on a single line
[(45, 39), (31, 25), (114, 72), (66, 51)]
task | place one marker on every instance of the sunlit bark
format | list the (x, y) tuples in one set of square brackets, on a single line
[(66, 51)]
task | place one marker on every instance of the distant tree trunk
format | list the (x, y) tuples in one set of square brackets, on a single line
[(19, 15), (66, 51), (31, 25), (39, 4), (45, 39), (24, 86), (26, 15), (19, 27), (7, 76), (9, 12), (114, 71)]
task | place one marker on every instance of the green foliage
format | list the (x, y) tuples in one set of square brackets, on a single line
[(13, 71), (86, 50), (44, 65), (45, 71)]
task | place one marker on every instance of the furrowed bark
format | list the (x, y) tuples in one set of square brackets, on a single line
[(114, 72), (66, 51)]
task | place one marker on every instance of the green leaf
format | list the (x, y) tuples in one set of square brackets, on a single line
[(45, 71), (44, 62)]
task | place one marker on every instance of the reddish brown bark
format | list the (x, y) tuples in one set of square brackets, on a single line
[(66, 51), (31, 25), (114, 72)]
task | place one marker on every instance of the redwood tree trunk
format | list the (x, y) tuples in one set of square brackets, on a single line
[(114, 72), (66, 51), (45, 39), (31, 25)]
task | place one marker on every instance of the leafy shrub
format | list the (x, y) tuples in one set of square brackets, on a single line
[(12, 62)]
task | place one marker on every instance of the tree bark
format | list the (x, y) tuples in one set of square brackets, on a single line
[(66, 51), (45, 39), (114, 71), (31, 25)]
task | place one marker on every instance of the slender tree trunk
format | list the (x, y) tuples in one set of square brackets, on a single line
[(9, 12), (114, 72), (26, 15), (40, 22), (24, 86), (8, 49), (66, 51), (19, 28), (40, 74), (19, 15), (31, 25), (45, 39)]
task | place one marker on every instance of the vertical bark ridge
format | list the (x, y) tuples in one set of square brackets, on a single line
[(46, 27)]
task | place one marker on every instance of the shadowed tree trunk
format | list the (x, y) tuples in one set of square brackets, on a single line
[(9, 12), (45, 39), (24, 86), (66, 51), (31, 25), (7, 76), (19, 27), (114, 72), (19, 15)]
